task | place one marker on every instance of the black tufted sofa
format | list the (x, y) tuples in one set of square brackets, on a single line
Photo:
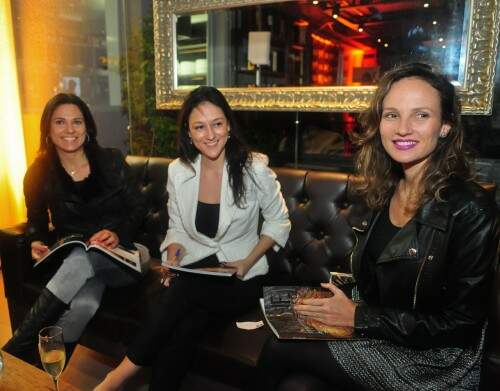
[(320, 241)]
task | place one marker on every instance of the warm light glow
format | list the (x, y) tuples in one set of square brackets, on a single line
[(335, 16), (360, 29), (379, 40), (386, 45), (426, 5), (434, 22), (440, 39), (12, 152), (301, 23), (322, 40), (353, 58), (315, 2)]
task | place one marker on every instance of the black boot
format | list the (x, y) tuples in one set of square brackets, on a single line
[(46, 311)]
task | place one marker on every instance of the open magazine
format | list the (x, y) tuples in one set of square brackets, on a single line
[(277, 307), (208, 271), (133, 258)]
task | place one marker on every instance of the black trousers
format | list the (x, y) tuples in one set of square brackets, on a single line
[(168, 340), (291, 365)]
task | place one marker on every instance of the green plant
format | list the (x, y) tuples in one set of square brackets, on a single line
[(152, 131)]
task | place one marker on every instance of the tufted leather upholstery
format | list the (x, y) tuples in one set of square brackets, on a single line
[(320, 241)]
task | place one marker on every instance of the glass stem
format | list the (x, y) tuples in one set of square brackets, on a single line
[(56, 382)]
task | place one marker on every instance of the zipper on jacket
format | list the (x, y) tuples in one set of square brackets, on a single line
[(356, 241), (427, 257), (417, 282)]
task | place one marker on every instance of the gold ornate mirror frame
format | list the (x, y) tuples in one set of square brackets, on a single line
[(476, 92)]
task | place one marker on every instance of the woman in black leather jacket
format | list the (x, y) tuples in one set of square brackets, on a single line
[(425, 255), (84, 189)]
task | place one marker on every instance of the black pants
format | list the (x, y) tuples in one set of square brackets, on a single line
[(168, 340), (286, 365)]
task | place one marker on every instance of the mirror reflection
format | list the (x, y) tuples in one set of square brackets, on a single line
[(319, 43)]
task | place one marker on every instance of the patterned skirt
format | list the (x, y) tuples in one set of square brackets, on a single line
[(381, 365)]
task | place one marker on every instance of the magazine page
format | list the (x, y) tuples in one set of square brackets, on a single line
[(208, 271), (129, 258), (61, 243), (277, 306)]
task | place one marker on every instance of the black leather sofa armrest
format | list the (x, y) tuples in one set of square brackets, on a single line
[(16, 259)]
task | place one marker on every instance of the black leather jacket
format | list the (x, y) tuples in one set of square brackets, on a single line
[(111, 201), (435, 275)]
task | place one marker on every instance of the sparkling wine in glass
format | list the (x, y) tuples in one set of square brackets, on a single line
[(52, 352)]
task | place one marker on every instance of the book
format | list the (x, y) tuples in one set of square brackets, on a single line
[(133, 258), (277, 307), (207, 271)]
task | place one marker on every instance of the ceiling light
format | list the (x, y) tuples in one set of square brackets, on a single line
[(440, 39), (379, 40), (360, 27), (386, 45), (426, 5), (335, 10), (434, 22), (444, 46), (315, 2)]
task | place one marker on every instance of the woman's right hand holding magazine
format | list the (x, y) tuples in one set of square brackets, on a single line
[(38, 249)]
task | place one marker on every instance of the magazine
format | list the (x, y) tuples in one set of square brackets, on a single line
[(277, 307), (133, 258), (208, 271)]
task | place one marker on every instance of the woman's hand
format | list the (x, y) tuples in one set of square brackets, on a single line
[(242, 266), (105, 238), (38, 249), (337, 310), (175, 252)]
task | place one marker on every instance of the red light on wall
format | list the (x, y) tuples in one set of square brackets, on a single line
[(301, 23)]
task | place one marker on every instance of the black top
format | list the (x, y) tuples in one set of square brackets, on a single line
[(383, 232), (207, 219), (109, 198)]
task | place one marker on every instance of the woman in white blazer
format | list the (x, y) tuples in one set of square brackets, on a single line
[(216, 190)]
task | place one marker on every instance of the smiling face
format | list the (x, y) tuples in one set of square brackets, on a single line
[(411, 122), (209, 130), (67, 128)]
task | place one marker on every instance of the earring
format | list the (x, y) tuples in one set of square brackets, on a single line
[(88, 138), (442, 135), (190, 141), (228, 132), (47, 140)]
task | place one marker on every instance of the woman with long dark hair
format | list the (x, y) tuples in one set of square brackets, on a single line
[(80, 188), (216, 190), (424, 259)]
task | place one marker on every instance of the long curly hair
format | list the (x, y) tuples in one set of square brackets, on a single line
[(237, 153), (380, 174), (46, 147)]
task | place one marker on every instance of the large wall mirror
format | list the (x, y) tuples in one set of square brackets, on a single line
[(322, 55)]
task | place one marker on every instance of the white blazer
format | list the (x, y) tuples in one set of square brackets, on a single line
[(237, 232)]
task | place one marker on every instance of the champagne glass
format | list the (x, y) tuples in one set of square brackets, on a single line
[(52, 352)]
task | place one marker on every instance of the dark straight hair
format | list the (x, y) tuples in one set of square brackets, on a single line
[(46, 146), (236, 150)]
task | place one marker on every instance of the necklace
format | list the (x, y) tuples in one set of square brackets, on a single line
[(74, 171)]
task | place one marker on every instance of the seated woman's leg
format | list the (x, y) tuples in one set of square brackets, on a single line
[(281, 359), (174, 359), (156, 333), (81, 310), (69, 278)]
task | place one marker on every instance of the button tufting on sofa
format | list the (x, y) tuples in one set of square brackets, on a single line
[(320, 241)]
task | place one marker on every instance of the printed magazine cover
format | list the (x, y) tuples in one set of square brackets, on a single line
[(277, 307)]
